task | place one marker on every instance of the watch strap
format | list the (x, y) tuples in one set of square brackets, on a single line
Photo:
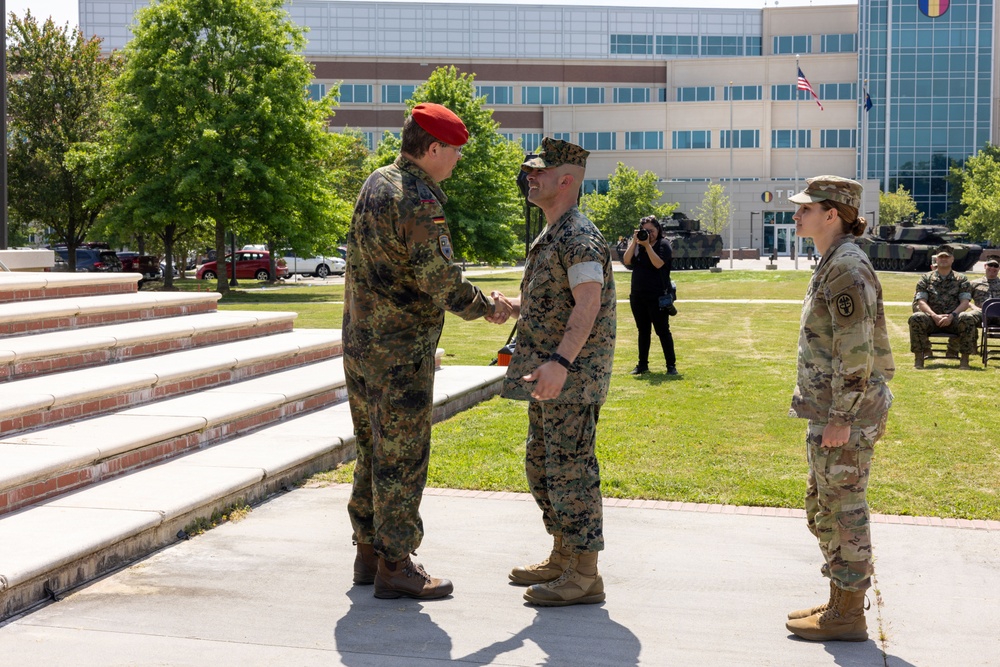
[(559, 359)]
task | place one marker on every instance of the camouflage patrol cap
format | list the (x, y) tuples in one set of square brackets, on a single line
[(556, 152), (993, 262), (944, 250), (833, 188)]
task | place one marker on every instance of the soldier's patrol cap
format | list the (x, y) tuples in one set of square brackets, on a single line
[(555, 153), (441, 123), (944, 250), (833, 188), (992, 262)]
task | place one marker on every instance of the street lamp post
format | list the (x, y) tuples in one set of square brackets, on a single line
[(752, 214), (232, 258)]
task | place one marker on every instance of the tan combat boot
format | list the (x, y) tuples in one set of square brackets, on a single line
[(548, 570), (365, 564), (964, 363), (818, 609), (406, 578), (579, 584), (844, 620)]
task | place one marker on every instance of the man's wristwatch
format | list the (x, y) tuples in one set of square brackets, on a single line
[(954, 315), (559, 359)]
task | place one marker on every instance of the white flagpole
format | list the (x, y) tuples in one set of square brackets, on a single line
[(795, 90), (731, 189)]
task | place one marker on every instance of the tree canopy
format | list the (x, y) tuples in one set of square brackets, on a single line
[(981, 196), (630, 197), (213, 125), (896, 206), (484, 204), (715, 209), (58, 85)]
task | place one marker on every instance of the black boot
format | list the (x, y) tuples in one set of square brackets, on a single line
[(640, 369)]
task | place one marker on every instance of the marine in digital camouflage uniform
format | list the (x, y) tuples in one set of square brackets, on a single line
[(942, 292), (844, 362), (568, 256), (400, 281), (987, 287)]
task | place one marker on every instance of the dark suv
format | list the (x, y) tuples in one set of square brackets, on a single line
[(91, 259), (147, 265)]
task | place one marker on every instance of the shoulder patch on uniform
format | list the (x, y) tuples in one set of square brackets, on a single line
[(438, 219), (426, 196), (845, 305), (445, 244)]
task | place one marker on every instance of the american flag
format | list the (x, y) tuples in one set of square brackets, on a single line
[(804, 84)]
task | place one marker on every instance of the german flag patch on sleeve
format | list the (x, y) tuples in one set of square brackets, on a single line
[(438, 219)]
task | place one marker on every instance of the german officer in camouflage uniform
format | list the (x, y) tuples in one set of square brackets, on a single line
[(562, 366), (941, 304), (844, 364), (400, 281)]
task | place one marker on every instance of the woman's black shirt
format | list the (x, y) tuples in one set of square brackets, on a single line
[(648, 281)]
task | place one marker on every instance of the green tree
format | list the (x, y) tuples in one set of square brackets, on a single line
[(58, 85), (630, 197), (981, 196), (715, 209), (212, 125), (484, 204), (896, 206)]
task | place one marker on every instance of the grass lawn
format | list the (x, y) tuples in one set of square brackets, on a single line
[(720, 432)]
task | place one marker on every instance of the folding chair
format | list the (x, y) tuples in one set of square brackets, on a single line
[(939, 343), (990, 345)]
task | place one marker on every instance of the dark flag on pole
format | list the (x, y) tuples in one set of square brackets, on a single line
[(868, 102), (803, 84)]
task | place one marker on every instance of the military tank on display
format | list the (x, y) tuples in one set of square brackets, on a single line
[(691, 248), (907, 246)]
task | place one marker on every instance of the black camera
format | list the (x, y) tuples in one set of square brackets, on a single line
[(642, 235)]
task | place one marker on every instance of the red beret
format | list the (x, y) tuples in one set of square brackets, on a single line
[(441, 123)]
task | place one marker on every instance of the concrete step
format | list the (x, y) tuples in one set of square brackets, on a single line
[(62, 543), (39, 354), (72, 312), (51, 399), (31, 286)]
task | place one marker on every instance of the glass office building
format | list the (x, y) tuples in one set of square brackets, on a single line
[(929, 68)]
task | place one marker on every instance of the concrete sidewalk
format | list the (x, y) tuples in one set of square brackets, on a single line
[(700, 585)]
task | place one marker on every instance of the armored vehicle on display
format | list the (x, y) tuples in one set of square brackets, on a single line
[(909, 247), (691, 248)]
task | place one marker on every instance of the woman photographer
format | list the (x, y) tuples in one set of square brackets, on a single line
[(648, 258)]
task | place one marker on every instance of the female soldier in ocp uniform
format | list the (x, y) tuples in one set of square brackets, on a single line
[(844, 362)]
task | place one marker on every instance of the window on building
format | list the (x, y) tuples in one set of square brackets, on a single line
[(696, 94), (496, 94), (598, 141), (741, 138), (846, 43), (661, 94), (838, 91), (720, 45), (787, 92), (315, 91), (743, 93), (509, 136), (396, 94), (632, 44), (579, 95), (539, 95), (561, 136), (369, 140), (643, 141), (838, 138), (530, 141), (786, 139), (753, 47), (356, 93), (625, 95), (677, 45), (598, 185), (684, 139), (792, 44)]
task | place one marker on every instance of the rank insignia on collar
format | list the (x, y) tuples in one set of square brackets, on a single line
[(438, 219), (445, 243)]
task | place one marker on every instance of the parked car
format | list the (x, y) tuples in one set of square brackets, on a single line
[(320, 267), (92, 260), (147, 265), (254, 264)]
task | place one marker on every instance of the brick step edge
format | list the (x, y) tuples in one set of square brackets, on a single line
[(63, 291), (61, 580), (61, 322)]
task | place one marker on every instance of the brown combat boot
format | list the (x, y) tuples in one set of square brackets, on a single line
[(843, 620), (579, 584), (918, 360), (548, 570), (406, 578), (964, 363), (818, 609), (365, 565)]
